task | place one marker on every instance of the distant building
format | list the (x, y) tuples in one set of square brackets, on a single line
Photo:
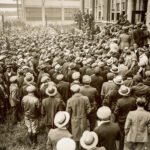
[(50, 11), (10, 8), (110, 10)]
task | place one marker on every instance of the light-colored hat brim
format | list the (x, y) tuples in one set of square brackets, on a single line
[(93, 145), (51, 94), (114, 71), (117, 82), (29, 82), (124, 94), (65, 122)]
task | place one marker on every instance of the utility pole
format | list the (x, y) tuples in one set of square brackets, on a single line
[(43, 13), (17, 2), (3, 23)]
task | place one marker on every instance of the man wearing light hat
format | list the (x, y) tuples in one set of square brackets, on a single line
[(31, 112), (61, 120), (78, 107), (92, 94), (137, 126), (89, 141), (107, 131), (51, 105), (66, 144), (124, 104), (63, 87)]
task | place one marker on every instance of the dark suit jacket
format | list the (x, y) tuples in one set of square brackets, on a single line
[(108, 133), (124, 105), (64, 90)]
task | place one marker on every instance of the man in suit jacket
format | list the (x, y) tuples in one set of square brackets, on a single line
[(63, 88), (92, 94), (107, 131), (124, 104), (51, 105), (61, 120), (97, 81), (137, 125), (78, 107)]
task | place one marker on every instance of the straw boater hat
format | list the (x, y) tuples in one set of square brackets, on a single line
[(118, 80), (124, 90), (59, 77), (103, 112), (31, 88), (66, 144), (109, 62), (75, 88), (114, 69), (29, 78), (44, 79), (86, 79), (76, 75), (89, 140), (51, 91), (61, 119)]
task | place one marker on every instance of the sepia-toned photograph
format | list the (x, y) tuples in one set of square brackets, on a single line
[(74, 74)]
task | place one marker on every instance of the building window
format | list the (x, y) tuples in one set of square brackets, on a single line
[(33, 14), (118, 15), (69, 13), (118, 6), (53, 13), (123, 5), (112, 16), (100, 15)]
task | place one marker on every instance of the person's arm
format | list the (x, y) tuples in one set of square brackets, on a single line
[(128, 123), (42, 109), (49, 144), (88, 106), (116, 112), (68, 108)]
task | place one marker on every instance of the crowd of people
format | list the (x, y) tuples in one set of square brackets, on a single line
[(89, 91)]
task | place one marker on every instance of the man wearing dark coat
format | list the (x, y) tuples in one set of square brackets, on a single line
[(92, 94), (50, 106), (124, 104), (97, 81), (63, 88), (79, 108), (107, 132)]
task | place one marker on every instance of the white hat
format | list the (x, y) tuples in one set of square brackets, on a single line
[(118, 80), (51, 91), (124, 90), (44, 79), (66, 144), (31, 88), (61, 119), (89, 140), (59, 77), (25, 67), (13, 79), (76, 75), (29, 78), (114, 69), (57, 67), (75, 88), (103, 112), (109, 62), (86, 79)]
